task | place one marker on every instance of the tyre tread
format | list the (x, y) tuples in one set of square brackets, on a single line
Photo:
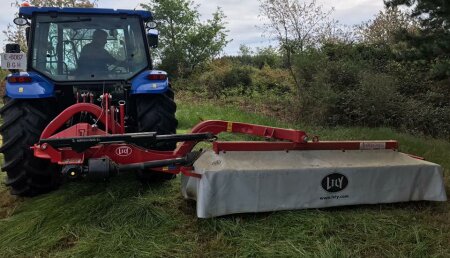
[(24, 122), (156, 113)]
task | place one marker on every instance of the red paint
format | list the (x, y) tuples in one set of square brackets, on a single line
[(122, 116), (219, 126), (280, 146), (66, 156), (69, 112), (189, 171)]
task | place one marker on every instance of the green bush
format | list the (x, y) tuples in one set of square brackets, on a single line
[(339, 84), (222, 78), (263, 56), (343, 76), (308, 65), (375, 102), (423, 118), (273, 81), (237, 80)]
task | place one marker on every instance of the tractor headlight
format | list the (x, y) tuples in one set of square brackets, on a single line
[(151, 25)]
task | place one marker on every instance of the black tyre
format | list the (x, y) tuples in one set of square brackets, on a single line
[(156, 113), (23, 122)]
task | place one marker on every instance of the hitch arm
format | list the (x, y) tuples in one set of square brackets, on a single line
[(218, 126), (80, 144), (187, 160)]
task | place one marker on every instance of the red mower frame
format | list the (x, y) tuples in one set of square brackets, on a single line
[(76, 145)]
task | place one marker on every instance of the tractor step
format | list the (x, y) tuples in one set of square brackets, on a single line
[(264, 181)]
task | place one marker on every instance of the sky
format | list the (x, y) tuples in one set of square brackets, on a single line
[(242, 16)]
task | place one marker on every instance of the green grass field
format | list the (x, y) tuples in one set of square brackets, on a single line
[(123, 218)]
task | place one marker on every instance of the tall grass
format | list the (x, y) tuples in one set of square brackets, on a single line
[(123, 218)]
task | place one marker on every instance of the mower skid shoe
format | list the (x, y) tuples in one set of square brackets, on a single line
[(265, 181)]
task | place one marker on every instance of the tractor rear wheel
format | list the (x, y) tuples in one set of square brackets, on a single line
[(156, 113), (23, 122)]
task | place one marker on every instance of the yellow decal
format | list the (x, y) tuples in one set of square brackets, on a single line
[(230, 127), (21, 89)]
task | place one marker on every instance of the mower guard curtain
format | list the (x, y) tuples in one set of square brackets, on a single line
[(247, 182)]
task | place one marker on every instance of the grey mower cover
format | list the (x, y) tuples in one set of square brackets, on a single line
[(263, 181)]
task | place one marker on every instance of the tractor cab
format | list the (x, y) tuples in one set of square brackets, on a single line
[(86, 44), (83, 51)]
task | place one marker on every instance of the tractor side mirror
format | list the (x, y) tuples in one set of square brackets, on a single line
[(152, 38)]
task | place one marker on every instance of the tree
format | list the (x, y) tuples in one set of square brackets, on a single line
[(385, 27), (185, 42), (245, 50), (267, 56), (336, 33), (296, 25), (432, 42), (16, 34), (206, 41)]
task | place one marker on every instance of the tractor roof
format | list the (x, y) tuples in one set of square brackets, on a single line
[(27, 12)]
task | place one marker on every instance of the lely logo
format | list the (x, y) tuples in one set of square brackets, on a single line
[(123, 151), (334, 182)]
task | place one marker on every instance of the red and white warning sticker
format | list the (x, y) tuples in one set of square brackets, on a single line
[(372, 145)]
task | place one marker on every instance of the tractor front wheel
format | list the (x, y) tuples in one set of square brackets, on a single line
[(156, 113), (23, 122)]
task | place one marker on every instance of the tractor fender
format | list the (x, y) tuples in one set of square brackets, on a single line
[(39, 87), (142, 84)]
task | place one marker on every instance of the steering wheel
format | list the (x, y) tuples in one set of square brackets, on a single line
[(116, 69)]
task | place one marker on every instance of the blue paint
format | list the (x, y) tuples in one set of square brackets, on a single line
[(142, 85), (40, 87), (28, 12)]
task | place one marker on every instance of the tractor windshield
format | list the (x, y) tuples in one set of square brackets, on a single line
[(88, 48)]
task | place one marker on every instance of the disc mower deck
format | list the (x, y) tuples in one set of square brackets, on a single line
[(263, 181)]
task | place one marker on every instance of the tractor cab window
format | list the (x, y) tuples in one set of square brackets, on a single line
[(84, 48)]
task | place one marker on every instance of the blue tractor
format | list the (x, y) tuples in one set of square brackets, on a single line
[(76, 55)]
